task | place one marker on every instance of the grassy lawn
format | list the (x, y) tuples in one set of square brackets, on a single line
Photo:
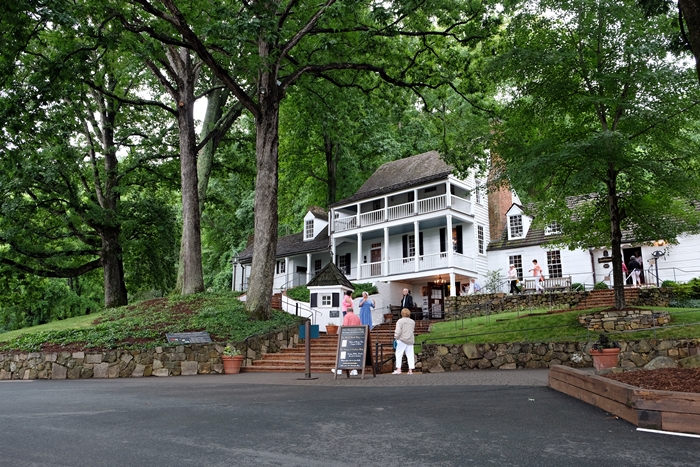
[(144, 325), (538, 326)]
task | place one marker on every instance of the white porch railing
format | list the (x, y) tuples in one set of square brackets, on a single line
[(372, 217), (345, 223), (371, 269), (400, 211), (433, 261), (461, 204), (401, 266), (436, 203)]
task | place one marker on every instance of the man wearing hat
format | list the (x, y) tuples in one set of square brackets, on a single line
[(513, 277)]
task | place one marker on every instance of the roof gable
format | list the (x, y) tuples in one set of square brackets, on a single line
[(329, 276)]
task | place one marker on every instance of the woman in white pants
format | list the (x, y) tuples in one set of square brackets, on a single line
[(404, 341)]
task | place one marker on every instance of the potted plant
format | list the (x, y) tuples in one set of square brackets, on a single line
[(232, 360), (605, 352), (331, 328)]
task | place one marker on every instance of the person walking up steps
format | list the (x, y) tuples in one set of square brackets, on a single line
[(539, 278), (404, 341)]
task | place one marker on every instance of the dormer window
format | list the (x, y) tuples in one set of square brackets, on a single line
[(515, 225), (552, 229), (309, 230)]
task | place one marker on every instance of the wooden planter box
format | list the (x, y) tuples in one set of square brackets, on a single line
[(645, 408)]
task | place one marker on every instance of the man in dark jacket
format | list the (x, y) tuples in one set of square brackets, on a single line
[(406, 300)]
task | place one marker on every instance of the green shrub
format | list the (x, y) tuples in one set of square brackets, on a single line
[(577, 287), (299, 293), (670, 284), (364, 287), (601, 286)]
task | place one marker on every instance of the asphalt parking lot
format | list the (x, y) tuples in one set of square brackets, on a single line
[(473, 418)]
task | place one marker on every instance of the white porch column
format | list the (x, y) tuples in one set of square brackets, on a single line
[(359, 256), (450, 245), (386, 208), (415, 201), (308, 267), (286, 272), (357, 217), (416, 245), (448, 193), (453, 291), (385, 252)]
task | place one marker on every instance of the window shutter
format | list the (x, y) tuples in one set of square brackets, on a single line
[(314, 300), (336, 300), (420, 243), (459, 239), (404, 244), (347, 264), (443, 247)]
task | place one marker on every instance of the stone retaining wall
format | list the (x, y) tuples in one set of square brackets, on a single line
[(624, 320), (183, 360), (501, 302), (436, 358)]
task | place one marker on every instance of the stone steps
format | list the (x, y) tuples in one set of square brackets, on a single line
[(323, 352)]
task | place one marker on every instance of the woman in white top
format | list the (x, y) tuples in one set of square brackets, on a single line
[(404, 341)]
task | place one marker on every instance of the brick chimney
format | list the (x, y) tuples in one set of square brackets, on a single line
[(500, 200)]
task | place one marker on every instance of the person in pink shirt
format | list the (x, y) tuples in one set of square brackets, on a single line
[(347, 302), (351, 319)]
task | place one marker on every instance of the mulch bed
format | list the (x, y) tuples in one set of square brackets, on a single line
[(663, 379)]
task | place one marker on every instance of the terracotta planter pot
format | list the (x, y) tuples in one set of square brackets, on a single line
[(605, 358), (331, 330), (232, 365)]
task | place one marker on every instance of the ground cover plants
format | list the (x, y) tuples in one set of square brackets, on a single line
[(144, 325)]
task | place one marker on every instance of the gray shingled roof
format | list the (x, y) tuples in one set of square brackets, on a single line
[(318, 213), (291, 245), (330, 275), (402, 174)]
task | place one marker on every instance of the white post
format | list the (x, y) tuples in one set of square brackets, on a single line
[(359, 255)]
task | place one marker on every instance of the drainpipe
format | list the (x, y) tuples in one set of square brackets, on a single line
[(590, 250)]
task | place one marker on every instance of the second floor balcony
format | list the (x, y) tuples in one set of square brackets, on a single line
[(401, 211)]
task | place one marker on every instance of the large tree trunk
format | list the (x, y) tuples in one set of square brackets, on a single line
[(331, 149), (616, 240), (192, 279), (215, 109), (115, 293), (690, 10), (259, 296)]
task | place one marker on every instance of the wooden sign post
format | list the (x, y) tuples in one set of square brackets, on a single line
[(354, 350)]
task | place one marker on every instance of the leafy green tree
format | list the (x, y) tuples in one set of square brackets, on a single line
[(595, 108), (260, 50)]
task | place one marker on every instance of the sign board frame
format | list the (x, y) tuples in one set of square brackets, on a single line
[(354, 350), (201, 337)]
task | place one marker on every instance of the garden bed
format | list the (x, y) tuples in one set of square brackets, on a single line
[(645, 408)]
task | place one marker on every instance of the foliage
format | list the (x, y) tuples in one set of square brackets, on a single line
[(604, 342), (363, 287), (299, 293), (599, 128), (27, 300), (669, 284), (231, 351), (143, 325), (577, 287), (493, 281), (600, 286)]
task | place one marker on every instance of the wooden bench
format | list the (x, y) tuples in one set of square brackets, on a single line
[(552, 284)]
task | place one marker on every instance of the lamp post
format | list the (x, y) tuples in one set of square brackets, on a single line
[(235, 266), (656, 255)]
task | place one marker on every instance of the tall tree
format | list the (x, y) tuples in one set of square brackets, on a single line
[(259, 50), (596, 108)]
